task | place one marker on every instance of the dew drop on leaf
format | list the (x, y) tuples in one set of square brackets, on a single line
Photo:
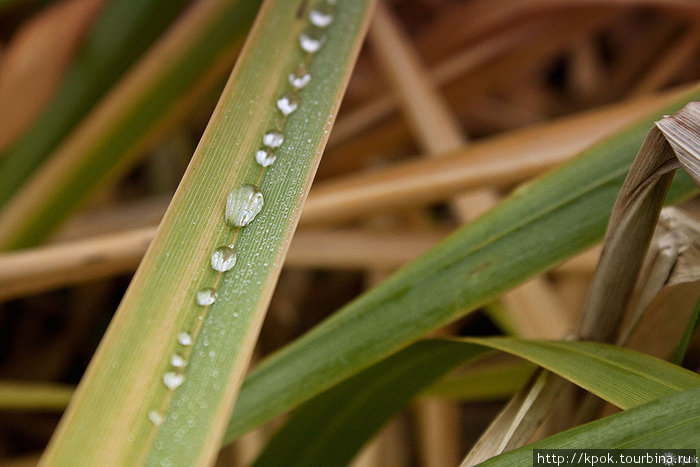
[(288, 103), (223, 259), (311, 40), (178, 361), (206, 296), (243, 204), (184, 338), (273, 139), (299, 78), (265, 157), (173, 380), (322, 14), (155, 417)]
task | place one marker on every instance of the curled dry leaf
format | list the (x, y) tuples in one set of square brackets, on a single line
[(674, 142), (673, 258), (35, 60)]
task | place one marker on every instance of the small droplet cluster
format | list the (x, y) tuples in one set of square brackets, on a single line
[(246, 201)]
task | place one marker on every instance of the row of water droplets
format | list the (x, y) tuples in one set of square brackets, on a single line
[(245, 202)]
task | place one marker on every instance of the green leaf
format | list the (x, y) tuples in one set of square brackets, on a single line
[(621, 376), (538, 226), (682, 348), (672, 422), (34, 396), (497, 382), (135, 404), (351, 412), (123, 30), (149, 96)]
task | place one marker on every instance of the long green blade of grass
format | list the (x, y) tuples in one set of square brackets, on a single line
[(164, 379), (620, 376), (669, 423), (123, 30), (679, 353), (34, 396), (105, 146), (490, 383), (538, 226), (355, 409)]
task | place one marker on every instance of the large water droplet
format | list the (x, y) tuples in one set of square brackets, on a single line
[(206, 296), (178, 361), (184, 338), (311, 40), (223, 259), (300, 77), (173, 380), (265, 157), (288, 103), (322, 14), (273, 139), (155, 417), (243, 204)]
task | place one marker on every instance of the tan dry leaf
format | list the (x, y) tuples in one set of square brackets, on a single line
[(632, 223), (35, 60), (673, 258), (516, 423)]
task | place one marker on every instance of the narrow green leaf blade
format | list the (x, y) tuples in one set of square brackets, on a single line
[(621, 376), (538, 226), (690, 329), (672, 422), (123, 30), (149, 95), (163, 382), (351, 412), (484, 384)]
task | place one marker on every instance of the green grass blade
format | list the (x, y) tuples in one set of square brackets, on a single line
[(146, 99), (483, 384), (34, 396), (352, 411), (123, 30), (690, 329), (620, 376), (538, 226), (135, 405), (672, 422)]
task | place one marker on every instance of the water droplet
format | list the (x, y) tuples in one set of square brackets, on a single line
[(173, 380), (311, 40), (273, 139), (243, 204), (322, 14), (184, 338), (155, 417), (265, 157), (178, 361), (223, 259), (288, 103), (300, 77), (206, 296)]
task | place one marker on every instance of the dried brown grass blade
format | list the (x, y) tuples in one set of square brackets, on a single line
[(25, 272), (35, 60), (514, 426), (673, 258), (672, 143)]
